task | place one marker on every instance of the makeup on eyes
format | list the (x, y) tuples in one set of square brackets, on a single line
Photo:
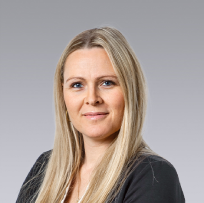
[(79, 82)]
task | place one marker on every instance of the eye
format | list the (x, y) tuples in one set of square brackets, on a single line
[(76, 85), (108, 83)]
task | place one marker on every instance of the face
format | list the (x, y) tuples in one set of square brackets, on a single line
[(92, 94)]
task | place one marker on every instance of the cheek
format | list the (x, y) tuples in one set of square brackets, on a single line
[(118, 104), (71, 103)]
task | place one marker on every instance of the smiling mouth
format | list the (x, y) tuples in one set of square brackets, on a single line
[(94, 113), (96, 116)]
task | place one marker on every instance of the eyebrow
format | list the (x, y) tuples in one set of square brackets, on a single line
[(113, 76)]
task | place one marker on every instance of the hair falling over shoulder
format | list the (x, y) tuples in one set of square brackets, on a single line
[(68, 150)]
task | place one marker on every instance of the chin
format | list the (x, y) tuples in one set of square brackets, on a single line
[(97, 135)]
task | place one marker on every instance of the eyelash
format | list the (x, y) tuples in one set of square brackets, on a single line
[(72, 85)]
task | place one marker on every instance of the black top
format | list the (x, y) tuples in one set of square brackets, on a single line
[(154, 180)]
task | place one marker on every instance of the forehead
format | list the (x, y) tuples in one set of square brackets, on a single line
[(92, 61)]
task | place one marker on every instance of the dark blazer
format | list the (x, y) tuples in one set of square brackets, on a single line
[(154, 180)]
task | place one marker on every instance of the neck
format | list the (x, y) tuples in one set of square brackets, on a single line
[(95, 149)]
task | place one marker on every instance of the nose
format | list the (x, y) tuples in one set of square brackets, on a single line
[(93, 97)]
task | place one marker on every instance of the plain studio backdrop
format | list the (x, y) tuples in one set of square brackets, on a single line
[(168, 39)]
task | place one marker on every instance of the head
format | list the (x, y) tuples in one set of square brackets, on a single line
[(110, 44)]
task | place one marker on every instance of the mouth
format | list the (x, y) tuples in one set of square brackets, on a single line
[(95, 115)]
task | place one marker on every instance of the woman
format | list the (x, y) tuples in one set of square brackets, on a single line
[(99, 154)]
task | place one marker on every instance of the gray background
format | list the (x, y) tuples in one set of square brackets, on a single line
[(167, 37)]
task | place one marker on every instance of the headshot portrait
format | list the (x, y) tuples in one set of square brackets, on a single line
[(98, 109), (99, 154)]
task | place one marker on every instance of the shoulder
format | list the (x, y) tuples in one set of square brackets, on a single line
[(43, 158), (156, 169), (154, 179), (40, 164), (34, 178)]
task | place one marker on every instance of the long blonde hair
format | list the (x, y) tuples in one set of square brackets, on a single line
[(68, 150)]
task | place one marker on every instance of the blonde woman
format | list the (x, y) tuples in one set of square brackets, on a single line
[(99, 154)]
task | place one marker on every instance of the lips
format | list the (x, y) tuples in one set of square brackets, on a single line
[(94, 113)]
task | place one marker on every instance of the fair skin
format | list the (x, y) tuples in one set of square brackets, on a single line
[(90, 86)]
